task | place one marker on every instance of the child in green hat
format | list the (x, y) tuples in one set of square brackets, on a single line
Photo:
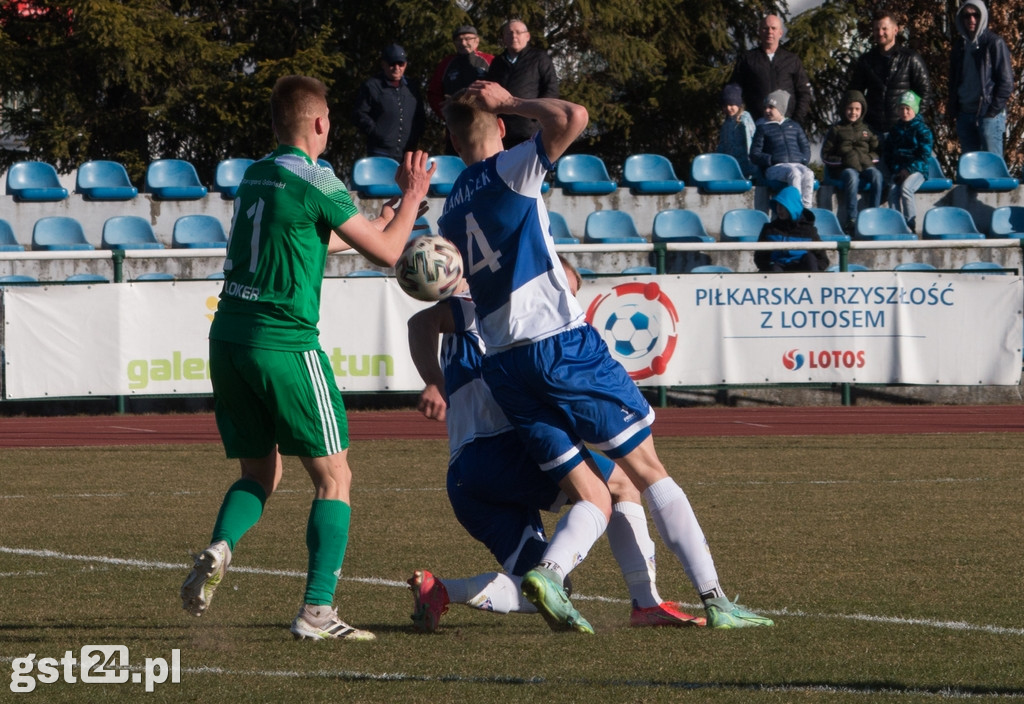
[(907, 149)]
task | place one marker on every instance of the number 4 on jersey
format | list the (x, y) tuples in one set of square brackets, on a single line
[(477, 241)]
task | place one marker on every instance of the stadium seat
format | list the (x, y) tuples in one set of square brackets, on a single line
[(711, 269), (982, 268), (984, 171), (650, 174), (935, 179), (87, 279), (174, 179), (914, 266), (947, 222), (104, 180), (364, 274), (374, 177), (217, 275), (882, 224), (58, 233), (155, 276), (718, 173), (639, 271), (743, 225), (198, 232), (229, 174), (17, 279), (1007, 222), (448, 169), (583, 175), (560, 232), (828, 226), (128, 232), (849, 268), (611, 227), (421, 227), (678, 225), (34, 181), (587, 273), (8, 242)]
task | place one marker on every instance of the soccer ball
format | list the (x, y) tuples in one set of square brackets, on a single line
[(429, 269), (631, 332)]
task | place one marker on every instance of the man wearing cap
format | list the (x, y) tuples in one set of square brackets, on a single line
[(768, 67), (525, 72), (456, 71), (980, 81), (389, 110)]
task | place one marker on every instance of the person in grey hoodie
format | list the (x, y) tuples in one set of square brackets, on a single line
[(980, 81)]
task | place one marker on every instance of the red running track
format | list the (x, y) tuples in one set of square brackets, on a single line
[(722, 422)]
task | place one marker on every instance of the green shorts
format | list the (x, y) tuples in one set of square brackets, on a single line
[(268, 397)]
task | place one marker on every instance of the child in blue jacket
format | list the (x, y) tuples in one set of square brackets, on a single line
[(781, 150)]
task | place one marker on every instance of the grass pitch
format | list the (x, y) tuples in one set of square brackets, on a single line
[(892, 566)]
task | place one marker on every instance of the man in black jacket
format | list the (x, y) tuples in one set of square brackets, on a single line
[(389, 110), (885, 72), (525, 72), (768, 68), (980, 81)]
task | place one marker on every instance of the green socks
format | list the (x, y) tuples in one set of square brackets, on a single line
[(326, 539), (240, 510)]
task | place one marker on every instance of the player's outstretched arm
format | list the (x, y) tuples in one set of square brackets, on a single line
[(561, 122), (383, 249), (425, 327)]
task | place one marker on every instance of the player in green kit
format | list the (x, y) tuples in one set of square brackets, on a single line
[(274, 390)]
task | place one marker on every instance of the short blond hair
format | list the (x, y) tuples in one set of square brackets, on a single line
[(295, 101), (465, 121)]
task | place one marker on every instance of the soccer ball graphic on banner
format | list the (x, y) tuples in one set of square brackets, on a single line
[(429, 268), (631, 332)]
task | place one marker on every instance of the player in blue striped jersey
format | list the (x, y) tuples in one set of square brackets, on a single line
[(551, 373)]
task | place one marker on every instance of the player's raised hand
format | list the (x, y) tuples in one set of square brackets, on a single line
[(490, 96), (413, 176)]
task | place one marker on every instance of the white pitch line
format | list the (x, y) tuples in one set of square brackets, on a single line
[(134, 430), (377, 581)]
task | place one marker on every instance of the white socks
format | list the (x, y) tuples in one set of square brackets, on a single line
[(575, 534), (633, 549), (492, 591)]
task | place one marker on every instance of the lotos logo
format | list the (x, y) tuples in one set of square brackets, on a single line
[(792, 360), (638, 322), (825, 359)]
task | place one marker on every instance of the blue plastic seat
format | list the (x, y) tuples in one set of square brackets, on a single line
[(374, 177), (678, 225), (198, 232), (828, 226), (914, 266), (639, 271), (947, 222), (155, 276), (8, 242), (560, 232), (128, 232), (984, 171), (982, 268), (743, 224), (611, 227), (448, 169), (882, 224), (421, 227), (104, 180), (1007, 222), (216, 276), (17, 279), (718, 173), (582, 175), (34, 181), (229, 174), (587, 273), (711, 269), (849, 268), (364, 274), (174, 179), (58, 233), (87, 279), (650, 174), (935, 180)]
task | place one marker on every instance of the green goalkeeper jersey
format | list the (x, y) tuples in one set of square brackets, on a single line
[(285, 209)]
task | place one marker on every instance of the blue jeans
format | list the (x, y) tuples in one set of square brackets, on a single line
[(984, 135), (852, 181), (901, 196)]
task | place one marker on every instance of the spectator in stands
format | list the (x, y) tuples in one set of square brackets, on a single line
[(389, 110), (781, 150), (525, 72), (456, 71), (980, 81), (885, 72), (907, 148), (768, 68), (850, 152), (737, 129), (792, 223)]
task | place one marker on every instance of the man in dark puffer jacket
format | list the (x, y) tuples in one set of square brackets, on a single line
[(792, 223)]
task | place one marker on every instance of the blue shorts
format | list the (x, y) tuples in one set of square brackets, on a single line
[(497, 492), (565, 390)]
